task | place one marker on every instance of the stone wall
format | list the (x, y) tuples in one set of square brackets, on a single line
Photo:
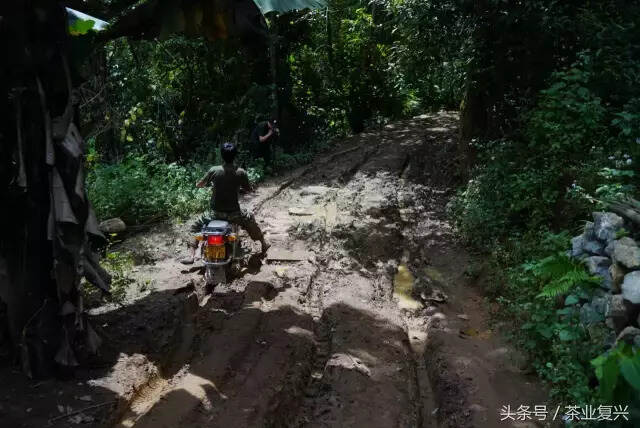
[(608, 251)]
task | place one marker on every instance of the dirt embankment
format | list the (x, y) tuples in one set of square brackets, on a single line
[(372, 320)]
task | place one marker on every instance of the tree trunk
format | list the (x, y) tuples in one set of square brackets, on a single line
[(273, 67), (330, 44), (473, 123), (475, 105), (43, 252)]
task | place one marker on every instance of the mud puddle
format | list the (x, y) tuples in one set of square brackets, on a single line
[(403, 289)]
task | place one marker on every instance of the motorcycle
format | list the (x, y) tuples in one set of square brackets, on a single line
[(220, 247)]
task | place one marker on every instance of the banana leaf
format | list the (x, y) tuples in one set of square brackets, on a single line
[(80, 23), (267, 6)]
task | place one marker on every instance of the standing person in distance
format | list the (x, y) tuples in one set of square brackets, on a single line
[(263, 137)]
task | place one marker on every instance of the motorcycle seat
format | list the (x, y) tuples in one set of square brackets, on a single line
[(219, 226)]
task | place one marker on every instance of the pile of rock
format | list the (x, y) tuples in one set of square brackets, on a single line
[(609, 253), (113, 225)]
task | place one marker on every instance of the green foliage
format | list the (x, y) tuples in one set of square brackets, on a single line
[(561, 136), (178, 98), (432, 48), (618, 373), (356, 65), (80, 26), (562, 117), (140, 188), (559, 274), (118, 264), (559, 347), (569, 116), (573, 158), (80, 23)]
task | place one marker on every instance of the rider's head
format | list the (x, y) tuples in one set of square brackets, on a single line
[(228, 152)]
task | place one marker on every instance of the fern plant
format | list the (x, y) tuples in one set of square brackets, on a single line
[(558, 274)]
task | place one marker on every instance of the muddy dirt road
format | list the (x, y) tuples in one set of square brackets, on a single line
[(364, 313)]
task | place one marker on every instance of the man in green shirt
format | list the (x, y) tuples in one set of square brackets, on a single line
[(226, 180)]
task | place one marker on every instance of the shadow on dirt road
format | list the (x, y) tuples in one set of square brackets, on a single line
[(322, 339)]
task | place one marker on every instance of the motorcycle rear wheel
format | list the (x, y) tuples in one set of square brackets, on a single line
[(214, 275)]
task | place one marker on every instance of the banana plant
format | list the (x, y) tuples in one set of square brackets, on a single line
[(213, 19)]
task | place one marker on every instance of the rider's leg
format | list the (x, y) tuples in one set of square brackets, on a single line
[(192, 243), (247, 221)]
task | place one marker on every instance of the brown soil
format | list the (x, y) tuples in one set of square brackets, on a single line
[(379, 324)]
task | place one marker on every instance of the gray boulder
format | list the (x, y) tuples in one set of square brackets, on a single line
[(589, 315), (113, 225), (587, 242), (577, 243), (617, 273), (589, 231), (631, 287), (608, 250), (593, 247), (629, 334), (626, 252), (607, 282), (606, 225), (618, 312), (599, 304), (610, 339), (598, 265)]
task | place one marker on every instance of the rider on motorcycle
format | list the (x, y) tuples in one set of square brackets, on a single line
[(226, 180)]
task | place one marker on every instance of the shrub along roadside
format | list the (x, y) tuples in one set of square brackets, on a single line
[(577, 144), (530, 294), (538, 295), (141, 188)]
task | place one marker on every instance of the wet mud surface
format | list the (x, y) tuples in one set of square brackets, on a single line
[(371, 319)]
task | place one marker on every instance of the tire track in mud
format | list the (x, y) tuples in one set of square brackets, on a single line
[(324, 328), (306, 170), (322, 338), (315, 403), (416, 338), (348, 175), (332, 345), (326, 320), (149, 394)]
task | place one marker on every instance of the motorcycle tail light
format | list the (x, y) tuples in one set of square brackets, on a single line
[(215, 240)]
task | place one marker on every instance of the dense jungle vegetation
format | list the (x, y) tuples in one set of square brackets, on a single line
[(549, 99), (550, 125), (161, 108)]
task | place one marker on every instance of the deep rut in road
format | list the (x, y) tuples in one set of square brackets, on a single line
[(363, 327)]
